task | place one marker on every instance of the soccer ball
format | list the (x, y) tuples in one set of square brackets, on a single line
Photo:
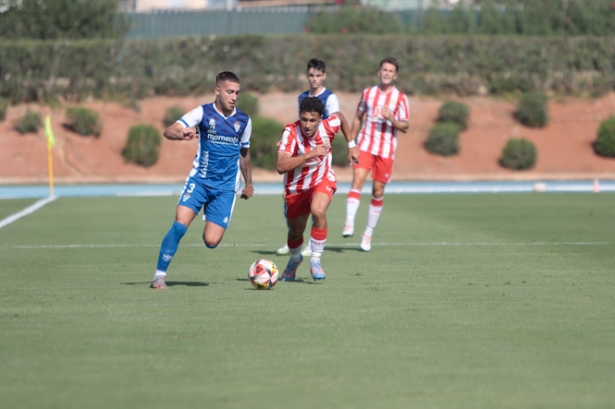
[(263, 274)]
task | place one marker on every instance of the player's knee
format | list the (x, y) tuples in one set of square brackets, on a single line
[(319, 213), (209, 243)]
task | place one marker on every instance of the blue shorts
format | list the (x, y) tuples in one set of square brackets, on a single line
[(217, 205)]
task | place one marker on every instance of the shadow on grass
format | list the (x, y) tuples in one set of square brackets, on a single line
[(280, 282), (172, 283), (335, 249)]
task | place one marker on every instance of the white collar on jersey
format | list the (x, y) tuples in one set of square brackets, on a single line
[(221, 114), (320, 93)]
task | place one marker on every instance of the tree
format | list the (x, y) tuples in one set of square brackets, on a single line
[(61, 19)]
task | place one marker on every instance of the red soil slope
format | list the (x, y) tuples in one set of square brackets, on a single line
[(564, 147)]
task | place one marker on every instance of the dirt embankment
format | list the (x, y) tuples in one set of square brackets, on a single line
[(564, 147)]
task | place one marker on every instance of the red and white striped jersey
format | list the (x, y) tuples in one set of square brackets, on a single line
[(311, 173), (377, 135)]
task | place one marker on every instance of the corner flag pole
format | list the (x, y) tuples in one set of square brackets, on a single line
[(50, 144)]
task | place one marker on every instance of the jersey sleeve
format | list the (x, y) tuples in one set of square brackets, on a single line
[(403, 109), (192, 118), (362, 107), (288, 141), (332, 125), (247, 134), (333, 105)]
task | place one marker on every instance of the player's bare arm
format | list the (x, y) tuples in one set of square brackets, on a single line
[(353, 152), (356, 125), (246, 170), (287, 162), (401, 126), (177, 132)]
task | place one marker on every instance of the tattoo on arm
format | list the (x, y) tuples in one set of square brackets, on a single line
[(245, 166)]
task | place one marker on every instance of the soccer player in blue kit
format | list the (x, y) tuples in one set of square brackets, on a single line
[(223, 153)]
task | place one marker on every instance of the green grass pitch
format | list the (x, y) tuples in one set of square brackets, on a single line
[(465, 301)]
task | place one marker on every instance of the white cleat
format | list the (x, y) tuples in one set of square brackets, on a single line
[(282, 250), (348, 231), (307, 251), (366, 243)]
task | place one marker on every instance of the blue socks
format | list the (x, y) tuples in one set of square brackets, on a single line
[(169, 246)]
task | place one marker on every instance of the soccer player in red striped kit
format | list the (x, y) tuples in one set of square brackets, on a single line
[(382, 111), (304, 157)]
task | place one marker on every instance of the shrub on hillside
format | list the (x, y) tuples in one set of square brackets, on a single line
[(84, 121), (518, 154), (532, 110), (443, 139), (248, 103), (4, 106), (172, 115), (339, 149), (142, 146), (454, 112), (266, 133), (605, 143), (29, 123)]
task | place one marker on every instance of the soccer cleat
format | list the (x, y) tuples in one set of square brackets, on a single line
[(318, 273), (291, 269), (366, 243), (282, 250), (159, 283), (348, 231), (307, 251)]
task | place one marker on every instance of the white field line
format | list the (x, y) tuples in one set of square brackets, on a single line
[(28, 210), (409, 244)]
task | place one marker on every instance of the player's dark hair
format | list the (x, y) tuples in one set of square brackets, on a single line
[(227, 76), (318, 65), (390, 60), (312, 104)]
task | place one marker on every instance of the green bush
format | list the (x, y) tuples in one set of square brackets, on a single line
[(29, 123), (443, 139), (248, 103), (605, 143), (461, 65), (339, 149), (266, 133), (518, 154), (4, 106), (355, 20), (172, 114), (143, 145), (532, 110), (84, 121), (454, 112)]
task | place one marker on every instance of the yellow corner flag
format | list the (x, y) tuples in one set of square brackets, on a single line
[(49, 132), (50, 143)]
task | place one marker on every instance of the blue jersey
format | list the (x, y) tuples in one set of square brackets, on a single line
[(216, 164), (329, 100)]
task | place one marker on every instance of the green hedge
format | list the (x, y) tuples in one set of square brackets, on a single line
[(74, 70), (605, 143), (443, 139), (248, 103), (84, 121), (142, 146), (172, 114), (266, 133), (518, 154), (4, 106), (533, 110), (455, 112), (30, 122)]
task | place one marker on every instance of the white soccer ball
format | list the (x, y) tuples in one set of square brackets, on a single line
[(263, 274)]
